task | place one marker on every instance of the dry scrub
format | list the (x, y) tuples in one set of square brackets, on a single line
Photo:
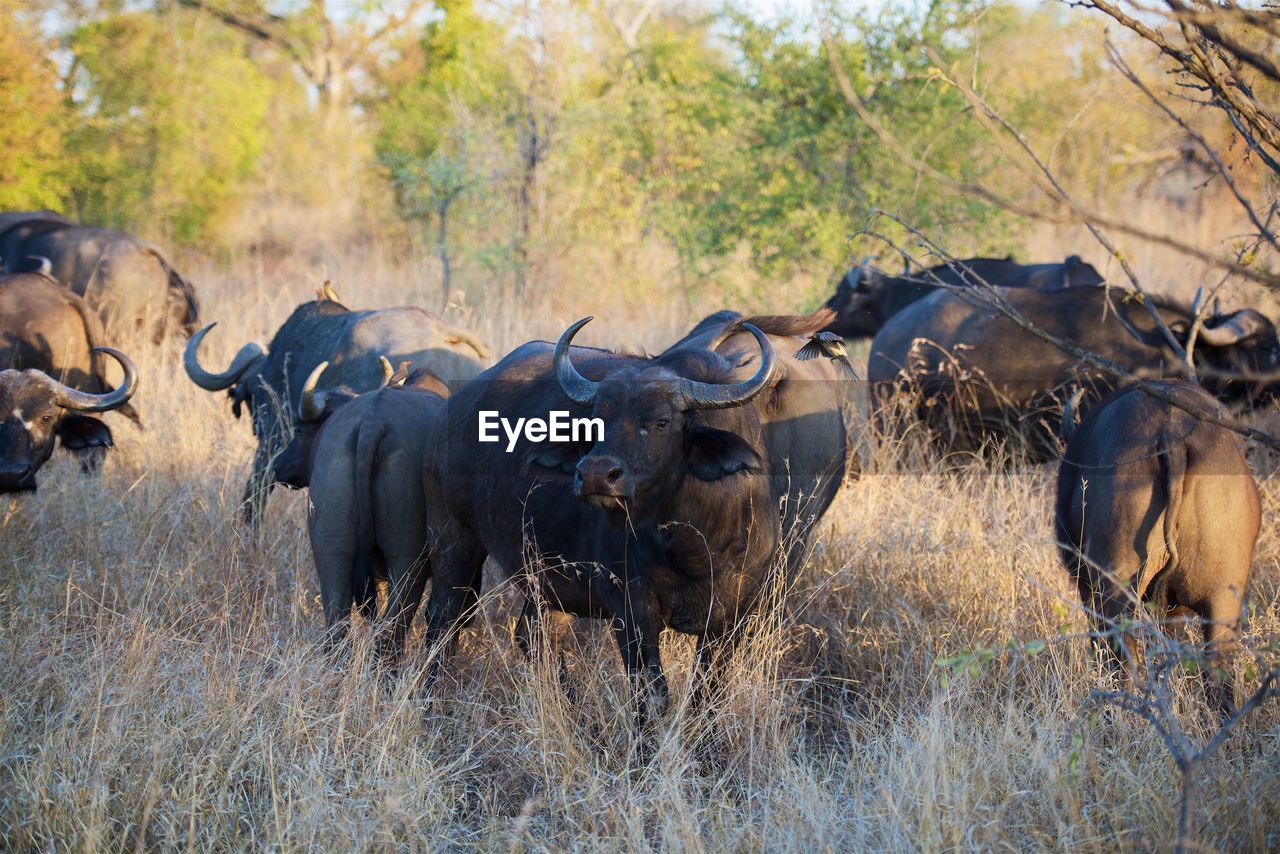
[(164, 685)]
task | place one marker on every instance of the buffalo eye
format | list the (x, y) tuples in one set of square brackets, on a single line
[(660, 424), (46, 419)]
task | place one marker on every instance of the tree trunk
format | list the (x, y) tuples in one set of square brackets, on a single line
[(1186, 812), (524, 201), (442, 252)]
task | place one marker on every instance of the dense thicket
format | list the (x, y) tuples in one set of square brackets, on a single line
[(510, 140)]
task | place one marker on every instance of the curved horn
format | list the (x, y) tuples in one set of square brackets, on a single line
[(388, 371), (311, 402), (849, 281), (1070, 416), (240, 365), (83, 401), (46, 266), (698, 395), (581, 390), (1235, 328)]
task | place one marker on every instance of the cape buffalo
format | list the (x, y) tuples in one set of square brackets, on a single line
[(36, 409), (45, 327), (865, 299), (9, 219), (362, 456), (668, 520), (1156, 507), (294, 464), (352, 342), (124, 279), (972, 374), (802, 414)]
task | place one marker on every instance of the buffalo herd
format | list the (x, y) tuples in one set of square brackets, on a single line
[(692, 491), (353, 343)]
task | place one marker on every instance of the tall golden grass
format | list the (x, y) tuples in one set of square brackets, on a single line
[(165, 684)]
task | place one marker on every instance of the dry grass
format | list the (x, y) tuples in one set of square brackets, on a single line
[(164, 685)]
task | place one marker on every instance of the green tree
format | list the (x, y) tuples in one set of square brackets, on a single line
[(33, 163), (717, 134), (808, 174), (172, 120), (461, 109)]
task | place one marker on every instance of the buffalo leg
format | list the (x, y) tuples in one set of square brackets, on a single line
[(714, 652), (257, 488), (1220, 618), (406, 581), (1110, 608), (537, 617), (91, 458), (458, 571), (366, 595), (644, 664), (334, 553), (637, 632), (527, 625)]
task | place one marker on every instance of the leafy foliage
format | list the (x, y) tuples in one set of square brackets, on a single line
[(33, 164), (171, 120), (718, 133), (520, 141)]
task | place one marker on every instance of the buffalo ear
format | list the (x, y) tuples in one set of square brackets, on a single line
[(718, 453), (335, 399), (80, 432)]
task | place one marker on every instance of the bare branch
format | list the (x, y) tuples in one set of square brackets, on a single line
[(268, 29), (987, 115), (629, 30), (989, 296), (390, 27), (1209, 27), (974, 190), (1195, 62), (1269, 688), (1118, 61)]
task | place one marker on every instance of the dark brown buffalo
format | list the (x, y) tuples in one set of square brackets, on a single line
[(352, 342), (295, 463), (362, 457), (1156, 508), (9, 219), (802, 414), (666, 521), (865, 299), (46, 327), (37, 409), (972, 375), (127, 281)]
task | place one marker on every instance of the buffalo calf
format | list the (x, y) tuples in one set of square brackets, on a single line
[(1156, 506), (362, 457)]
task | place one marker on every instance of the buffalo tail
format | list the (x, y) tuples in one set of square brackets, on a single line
[(362, 580)]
